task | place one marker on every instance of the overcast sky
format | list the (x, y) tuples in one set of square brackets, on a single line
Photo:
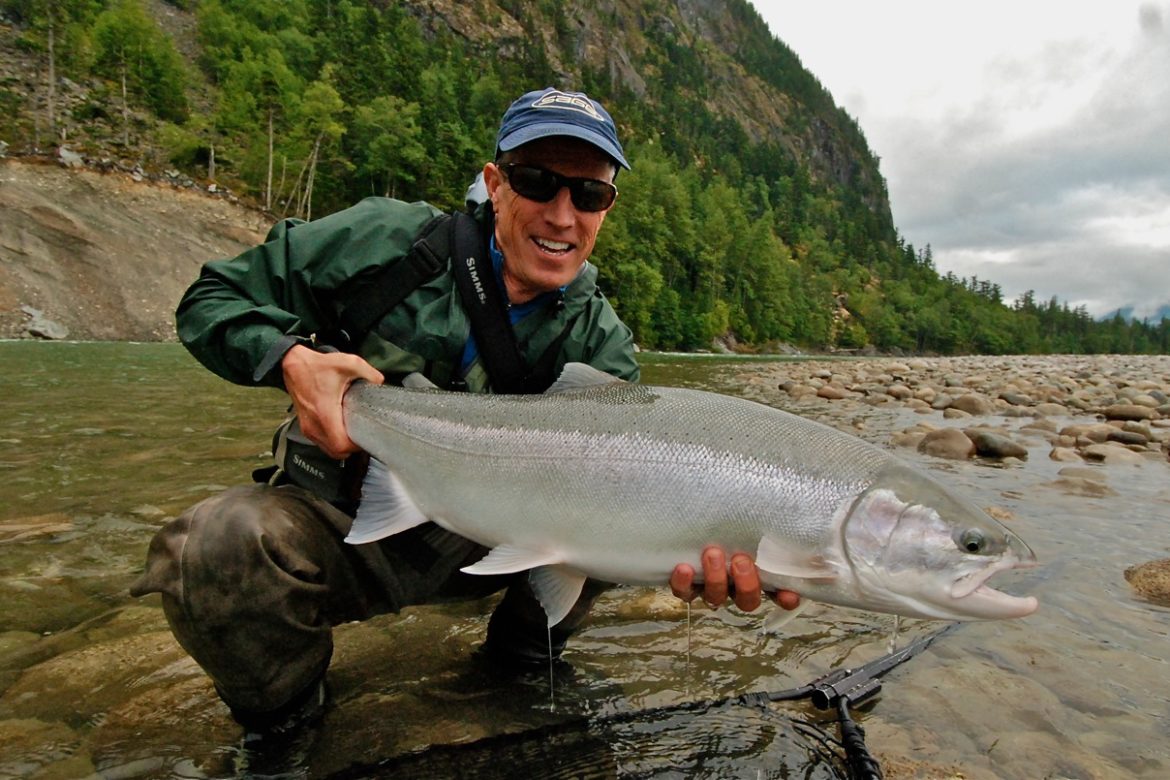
[(1027, 141)]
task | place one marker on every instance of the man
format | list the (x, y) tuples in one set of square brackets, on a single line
[(252, 580)]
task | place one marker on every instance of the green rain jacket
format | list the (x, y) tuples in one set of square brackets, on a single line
[(241, 315)]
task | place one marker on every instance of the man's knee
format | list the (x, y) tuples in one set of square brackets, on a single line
[(224, 539)]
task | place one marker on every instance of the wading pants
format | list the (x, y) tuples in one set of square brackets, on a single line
[(254, 579)]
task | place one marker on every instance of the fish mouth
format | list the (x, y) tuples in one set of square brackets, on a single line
[(978, 599)]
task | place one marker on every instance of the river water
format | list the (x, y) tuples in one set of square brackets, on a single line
[(101, 443)]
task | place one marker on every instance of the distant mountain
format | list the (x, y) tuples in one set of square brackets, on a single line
[(1126, 313)]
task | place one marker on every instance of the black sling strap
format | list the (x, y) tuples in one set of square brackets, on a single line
[(369, 301), (476, 279)]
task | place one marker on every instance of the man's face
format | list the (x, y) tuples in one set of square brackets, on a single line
[(545, 244)]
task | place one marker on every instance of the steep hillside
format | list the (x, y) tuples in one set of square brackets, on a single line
[(106, 256), (716, 56)]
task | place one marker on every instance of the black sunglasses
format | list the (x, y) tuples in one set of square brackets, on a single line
[(542, 186)]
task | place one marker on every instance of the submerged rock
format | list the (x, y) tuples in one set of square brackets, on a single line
[(1151, 580)]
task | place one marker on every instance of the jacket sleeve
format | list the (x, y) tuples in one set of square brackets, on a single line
[(609, 343), (242, 314)]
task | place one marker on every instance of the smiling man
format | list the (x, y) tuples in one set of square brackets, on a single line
[(253, 579)]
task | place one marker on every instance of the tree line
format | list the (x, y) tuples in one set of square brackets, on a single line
[(309, 105)]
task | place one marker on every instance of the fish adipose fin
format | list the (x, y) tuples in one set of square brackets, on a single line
[(579, 376), (385, 509), (773, 558), (557, 589), (509, 559)]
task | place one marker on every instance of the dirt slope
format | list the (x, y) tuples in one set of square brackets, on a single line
[(104, 255)]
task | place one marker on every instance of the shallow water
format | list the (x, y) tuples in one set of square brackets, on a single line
[(100, 443)]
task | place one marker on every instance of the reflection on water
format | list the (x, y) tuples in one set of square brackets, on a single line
[(100, 443)]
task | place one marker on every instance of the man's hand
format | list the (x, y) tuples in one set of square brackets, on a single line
[(316, 382), (744, 577)]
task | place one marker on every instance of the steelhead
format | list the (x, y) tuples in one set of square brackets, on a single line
[(620, 482)]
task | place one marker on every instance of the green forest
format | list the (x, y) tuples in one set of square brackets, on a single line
[(306, 106)]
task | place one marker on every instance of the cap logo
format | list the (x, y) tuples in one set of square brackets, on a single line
[(568, 102)]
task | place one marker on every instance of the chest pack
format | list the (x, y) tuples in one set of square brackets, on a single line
[(456, 238)]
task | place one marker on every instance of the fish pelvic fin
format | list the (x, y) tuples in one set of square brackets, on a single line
[(780, 617), (385, 509), (579, 376), (558, 589), (509, 559), (774, 558)]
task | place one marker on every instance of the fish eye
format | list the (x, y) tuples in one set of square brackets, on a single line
[(973, 541)]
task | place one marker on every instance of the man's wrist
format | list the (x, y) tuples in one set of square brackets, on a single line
[(266, 371)]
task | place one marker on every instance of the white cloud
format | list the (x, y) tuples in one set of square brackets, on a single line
[(1027, 143)]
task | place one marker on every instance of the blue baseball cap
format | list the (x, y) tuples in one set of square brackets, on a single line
[(551, 112)]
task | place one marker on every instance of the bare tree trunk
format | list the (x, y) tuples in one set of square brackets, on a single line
[(211, 162), (308, 200), (34, 102), (125, 110), (52, 83), (268, 185), (292, 195), (283, 173)]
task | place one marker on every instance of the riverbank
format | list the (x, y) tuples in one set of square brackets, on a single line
[(1121, 403), (105, 256)]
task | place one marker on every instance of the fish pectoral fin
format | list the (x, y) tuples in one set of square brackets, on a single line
[(509, 559), (385, 509), (780, 617), (774, 558), (557, 588), (579, 376)]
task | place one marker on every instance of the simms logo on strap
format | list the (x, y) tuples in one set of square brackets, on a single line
[(306, 466), (569, 102), (479, 291)]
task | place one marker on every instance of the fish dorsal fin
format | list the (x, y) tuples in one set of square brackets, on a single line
[(579, 376), (557, 588), (386, 508), (772, 557), (509, 559), (416, 381)]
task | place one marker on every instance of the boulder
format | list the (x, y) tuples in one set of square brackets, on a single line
[(832, 392), (1151, 580), (42, 327), (989, 444), (974, 404), (1110, 454), (1128, 412), (949, 443)]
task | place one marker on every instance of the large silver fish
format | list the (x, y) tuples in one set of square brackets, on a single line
[(621, 482)]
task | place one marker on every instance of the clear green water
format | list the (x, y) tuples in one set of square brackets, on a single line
[(101, 443)]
